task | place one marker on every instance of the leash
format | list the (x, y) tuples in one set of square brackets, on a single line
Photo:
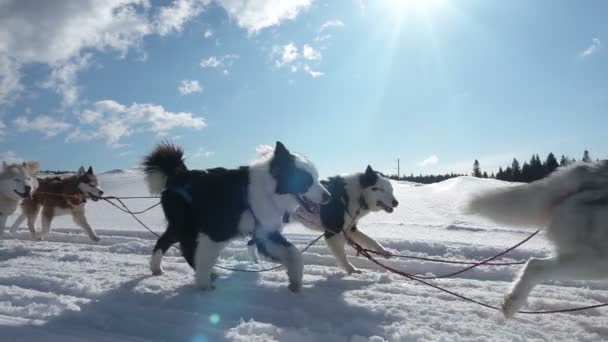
[(415, 278)]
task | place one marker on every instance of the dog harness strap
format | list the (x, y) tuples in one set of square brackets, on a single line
[(76, 199), (362, 203), (184, 192)]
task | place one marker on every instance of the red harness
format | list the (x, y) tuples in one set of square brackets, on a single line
[(76, 200)]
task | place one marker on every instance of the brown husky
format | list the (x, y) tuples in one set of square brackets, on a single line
[(60, 196)]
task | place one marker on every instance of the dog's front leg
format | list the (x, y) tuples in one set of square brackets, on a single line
[(367, 242), (81, 220), (336, 243), (17, 223), (274, 246)]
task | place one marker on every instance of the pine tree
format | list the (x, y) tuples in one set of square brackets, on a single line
[(476, 169), (550, 164), (516, 171), (586, 157), (485, 174), (500, 175), (563, 161), (509, 174), (526, 173), (492, 175)]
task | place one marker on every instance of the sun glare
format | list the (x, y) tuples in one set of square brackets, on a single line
[(416, 5)]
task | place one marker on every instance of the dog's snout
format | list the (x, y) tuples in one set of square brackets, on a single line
[(100, 192), (395, 203), (326, 197), (28, 189)]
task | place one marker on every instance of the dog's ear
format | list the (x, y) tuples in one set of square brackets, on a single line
[(370, 177), (81, 171), (281, 154), (33, 166), (90, 170)]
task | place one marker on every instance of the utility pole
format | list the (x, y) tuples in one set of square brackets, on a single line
[(398, 170)]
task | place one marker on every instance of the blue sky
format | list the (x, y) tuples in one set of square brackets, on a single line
[(436, 83)]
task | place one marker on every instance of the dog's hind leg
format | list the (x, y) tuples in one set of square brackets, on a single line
[(2, 223), (366, 242), (17, 223), (336, 243), (206, 254), (47, 218), (565, 267), (81, 220), (162, 245)]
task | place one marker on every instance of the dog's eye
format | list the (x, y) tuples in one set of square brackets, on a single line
[(18, 180), (375, 188)]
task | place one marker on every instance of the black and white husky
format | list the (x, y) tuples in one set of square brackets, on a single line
[(572, 203), (206, 209), (352, 197)]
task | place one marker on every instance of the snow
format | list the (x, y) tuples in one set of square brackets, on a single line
[(71, 289)]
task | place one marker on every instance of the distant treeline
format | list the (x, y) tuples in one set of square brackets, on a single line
[(425, 179), (530, 171), (53, 172)]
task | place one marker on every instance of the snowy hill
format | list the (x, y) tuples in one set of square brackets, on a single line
[(70, 289)]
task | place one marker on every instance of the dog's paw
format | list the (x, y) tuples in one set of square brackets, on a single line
[(295, 287), (95, 238), (353, 270), (157, 271), (511, 305), (205, 286), (386, 254)]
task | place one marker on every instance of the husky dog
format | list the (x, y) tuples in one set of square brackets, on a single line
[(60, 196), (206, 209), (352, 197), (17, 181), (572, 203)]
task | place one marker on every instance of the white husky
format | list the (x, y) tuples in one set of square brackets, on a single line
[(573, 204), (17, 181)]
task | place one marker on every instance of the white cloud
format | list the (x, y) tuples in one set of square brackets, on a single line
[(208, 34), (201, 152), (110, 121), (288, 53), (312, 73), (308, 52), (255, 15), (44, 124), (430, 160), (10, 157), (56, 33), (330, 23), (225, 61), (172, 18), (211, 62), (63, 79), (595, 45), (187, 87)]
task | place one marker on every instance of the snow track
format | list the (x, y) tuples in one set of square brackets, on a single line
[(70, 289)]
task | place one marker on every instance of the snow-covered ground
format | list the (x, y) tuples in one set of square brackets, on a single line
[(70, 289)]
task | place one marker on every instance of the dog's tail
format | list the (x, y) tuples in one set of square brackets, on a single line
[(532, 204), (166, 160)]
